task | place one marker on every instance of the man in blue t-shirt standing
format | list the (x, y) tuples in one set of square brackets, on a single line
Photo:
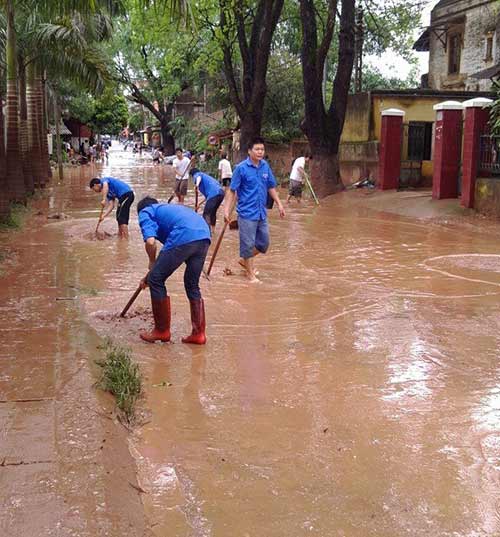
[(115, 193), (252, 181), (185, 237), (213, 193)]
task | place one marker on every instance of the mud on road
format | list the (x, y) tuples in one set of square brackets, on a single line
[(355, 392)]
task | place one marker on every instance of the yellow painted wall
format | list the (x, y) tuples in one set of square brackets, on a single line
[(416, 108)]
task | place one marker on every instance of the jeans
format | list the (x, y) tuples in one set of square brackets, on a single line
[(253, 234), (193, 254), (211, 206)]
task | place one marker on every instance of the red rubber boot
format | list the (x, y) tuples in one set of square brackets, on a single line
[(161, 315), (197, 336)]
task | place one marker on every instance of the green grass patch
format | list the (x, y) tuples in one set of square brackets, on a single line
[(121, 377), (15, 218)]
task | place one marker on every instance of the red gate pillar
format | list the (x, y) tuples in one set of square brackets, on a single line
[(476, 118), (391, 135), (447, 146)]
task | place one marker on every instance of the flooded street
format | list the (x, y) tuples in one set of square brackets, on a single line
[(354, 393)]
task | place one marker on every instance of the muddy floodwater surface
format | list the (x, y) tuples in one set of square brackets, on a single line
[(354, 393)]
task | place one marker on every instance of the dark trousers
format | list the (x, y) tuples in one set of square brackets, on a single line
[(123, 209), (193, 254), (211, 206)]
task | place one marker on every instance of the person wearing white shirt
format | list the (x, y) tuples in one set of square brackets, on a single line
[(225, 171), (297, 177), (181, 165)]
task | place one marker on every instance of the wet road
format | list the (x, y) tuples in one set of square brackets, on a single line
[(354, 392)]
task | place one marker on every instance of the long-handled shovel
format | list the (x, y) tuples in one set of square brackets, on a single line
[(99, 221), (137, 292), (311, 189), (182, 177), (216, 249)]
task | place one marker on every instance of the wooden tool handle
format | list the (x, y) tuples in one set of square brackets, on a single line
[(217, 246), (137, 292), (99, 221)]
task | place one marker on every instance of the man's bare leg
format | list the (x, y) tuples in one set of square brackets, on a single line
[(243, 263), (250, 270), (123, 231)]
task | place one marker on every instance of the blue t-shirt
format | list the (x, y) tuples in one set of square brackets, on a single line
[(209, 187), (172, 225), (252, 183), (116, 187)]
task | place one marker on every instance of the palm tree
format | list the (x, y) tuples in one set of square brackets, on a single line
[(57, 40), (15, 178)]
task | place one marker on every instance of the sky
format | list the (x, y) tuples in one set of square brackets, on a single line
[(391, 64)]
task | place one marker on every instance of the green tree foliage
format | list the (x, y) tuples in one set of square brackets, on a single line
[(284, 104), (111, 113), (373, 79), (157, 59)]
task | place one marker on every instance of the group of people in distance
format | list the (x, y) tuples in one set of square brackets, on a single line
[(186, 235)]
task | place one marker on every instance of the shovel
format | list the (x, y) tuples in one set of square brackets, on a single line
[(137, 292), (99, 221), (311, 188), (216, 249)]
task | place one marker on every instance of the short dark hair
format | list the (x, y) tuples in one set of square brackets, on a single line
[(146, 202), (94, 181), (255, 141), (192, 171), (223, 154), (178, 149)]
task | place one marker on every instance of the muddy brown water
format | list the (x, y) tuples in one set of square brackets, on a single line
[(354, 393)]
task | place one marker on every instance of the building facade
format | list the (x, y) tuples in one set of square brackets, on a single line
[(463, 45)]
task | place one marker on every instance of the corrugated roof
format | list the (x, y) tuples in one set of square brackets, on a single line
[(63, 128)]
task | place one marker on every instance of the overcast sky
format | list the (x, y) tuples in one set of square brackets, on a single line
[(391, 64)]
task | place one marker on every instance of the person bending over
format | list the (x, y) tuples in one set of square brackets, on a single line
[(214, 195), (185, 237), (115, 193)]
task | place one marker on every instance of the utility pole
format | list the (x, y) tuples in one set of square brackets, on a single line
[(359, 31)]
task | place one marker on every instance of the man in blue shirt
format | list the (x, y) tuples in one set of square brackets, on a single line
[(185, 237), (213, 193), (115, 193), (252, 181)]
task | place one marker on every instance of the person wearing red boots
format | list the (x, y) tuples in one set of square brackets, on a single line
[(186, 238)]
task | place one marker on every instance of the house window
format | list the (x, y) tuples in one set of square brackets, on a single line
[(419, 140), (454, 53), (488, 48)]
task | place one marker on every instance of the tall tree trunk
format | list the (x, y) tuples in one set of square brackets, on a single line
[(323, 128), (15, 178), (23, 131), (42, 131), (34, 146), (4, 197), (167, 138), (254, 41), (249, 129), (57, 121), (45, 127)]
